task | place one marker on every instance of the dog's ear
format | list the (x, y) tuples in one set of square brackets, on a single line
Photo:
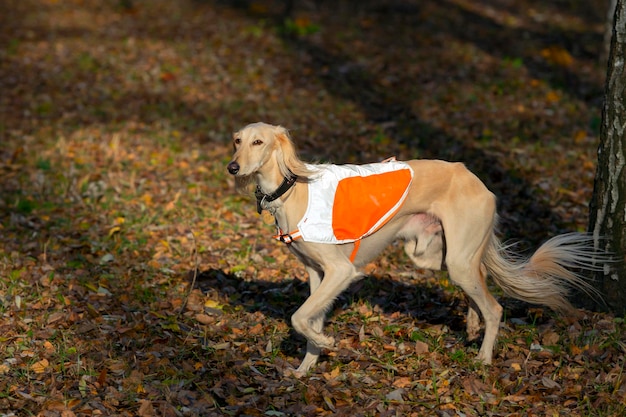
[(288, 160)]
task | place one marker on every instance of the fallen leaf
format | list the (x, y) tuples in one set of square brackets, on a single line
[(402, 382), (329, 376), (114, 230), (146, 409), (204, 318), (549, 383), (213, 304), (329, 403), (256, 330), (550, 338), (474, 386), (56, 405), (4, 368), (396, 395), (105, 259), (54, 317), (421, 347), (102, 377), (377, 331), (576, 350), (40, 366)]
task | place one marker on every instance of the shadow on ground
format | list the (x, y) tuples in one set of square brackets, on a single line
[(427, 304)]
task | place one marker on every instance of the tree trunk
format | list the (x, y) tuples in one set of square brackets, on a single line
[(607, 219), (608, 32)]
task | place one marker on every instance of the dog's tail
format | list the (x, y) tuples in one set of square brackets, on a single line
[(548, 276)]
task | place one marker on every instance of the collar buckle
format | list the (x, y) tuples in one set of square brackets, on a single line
[(262, 198)]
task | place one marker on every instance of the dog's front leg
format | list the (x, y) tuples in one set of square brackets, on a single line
[(312, 351), (309, 319)]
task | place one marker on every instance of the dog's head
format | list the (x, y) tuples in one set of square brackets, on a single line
[(258, 144), (254, 146)]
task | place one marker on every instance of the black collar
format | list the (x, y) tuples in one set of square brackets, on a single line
[(261, 197)]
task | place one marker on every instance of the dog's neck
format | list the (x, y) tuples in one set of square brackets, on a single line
[(265, 197)]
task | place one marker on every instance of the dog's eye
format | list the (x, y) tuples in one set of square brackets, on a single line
[(257, 142), (237, 141)]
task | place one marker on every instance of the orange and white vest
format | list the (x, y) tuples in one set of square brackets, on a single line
[(350, 202)]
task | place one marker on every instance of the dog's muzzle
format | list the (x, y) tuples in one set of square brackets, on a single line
[(233, 167)]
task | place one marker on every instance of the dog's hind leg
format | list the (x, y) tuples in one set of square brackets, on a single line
[(473, 321), (468, 233), (472, 281)]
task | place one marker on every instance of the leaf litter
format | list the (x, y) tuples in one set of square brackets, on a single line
[(114, 199)]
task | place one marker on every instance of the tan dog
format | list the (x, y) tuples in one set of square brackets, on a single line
[(447, 219)]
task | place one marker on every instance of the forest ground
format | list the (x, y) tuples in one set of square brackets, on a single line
[(115, 128)]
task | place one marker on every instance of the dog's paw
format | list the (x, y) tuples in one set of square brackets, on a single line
[(473, 334), (484, 358), (294, 373)]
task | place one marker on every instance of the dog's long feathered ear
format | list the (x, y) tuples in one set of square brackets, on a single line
[(288, 160)]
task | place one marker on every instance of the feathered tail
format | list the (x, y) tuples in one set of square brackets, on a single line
[(547, 277)]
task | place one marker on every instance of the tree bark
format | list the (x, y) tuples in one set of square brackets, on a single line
[(608, 32), (607, 220)]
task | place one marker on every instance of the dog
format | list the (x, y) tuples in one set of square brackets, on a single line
[(445, 215)]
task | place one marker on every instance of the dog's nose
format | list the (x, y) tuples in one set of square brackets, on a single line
[(233, 167)]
